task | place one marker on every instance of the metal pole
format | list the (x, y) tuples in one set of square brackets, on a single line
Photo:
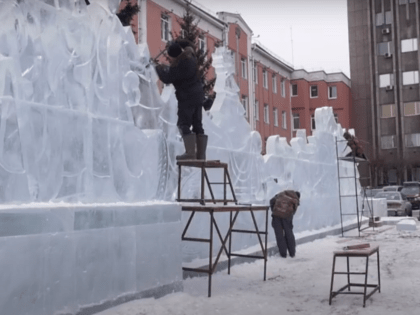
[(339, 187)]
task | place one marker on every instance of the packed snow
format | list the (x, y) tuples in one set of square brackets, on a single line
[(301, 285)]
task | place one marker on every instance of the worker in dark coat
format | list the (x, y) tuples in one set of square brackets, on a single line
[(183, 74), (283, 207)]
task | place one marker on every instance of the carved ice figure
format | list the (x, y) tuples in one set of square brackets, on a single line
[(309, 165), (66, 128)]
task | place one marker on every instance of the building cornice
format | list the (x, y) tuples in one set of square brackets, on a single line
[(320, 75), (270, 56)]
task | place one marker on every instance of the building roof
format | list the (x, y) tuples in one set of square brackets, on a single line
[(320, 75), (271, 56)]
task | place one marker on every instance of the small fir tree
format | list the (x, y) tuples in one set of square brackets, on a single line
[(191, 32), (127, 13)]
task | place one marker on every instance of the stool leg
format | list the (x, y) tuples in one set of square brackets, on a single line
[(332, 279), (348, 272), (366, 276), (379, 272)]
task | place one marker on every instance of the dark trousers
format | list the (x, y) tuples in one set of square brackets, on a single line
[(283, 228), (190, 115)]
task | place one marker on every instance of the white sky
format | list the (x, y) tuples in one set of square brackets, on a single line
[(301, 285), (319, 28)]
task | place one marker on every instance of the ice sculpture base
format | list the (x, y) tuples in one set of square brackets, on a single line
[(65, 259)]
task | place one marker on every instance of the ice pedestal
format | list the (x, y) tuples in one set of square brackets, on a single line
[(62, 259)]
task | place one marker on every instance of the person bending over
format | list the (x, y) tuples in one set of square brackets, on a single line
[(183, 74), (283, 207)]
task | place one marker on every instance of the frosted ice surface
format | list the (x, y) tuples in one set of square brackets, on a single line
[(83, 120)]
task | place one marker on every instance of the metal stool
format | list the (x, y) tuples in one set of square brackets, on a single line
[(356, 253)]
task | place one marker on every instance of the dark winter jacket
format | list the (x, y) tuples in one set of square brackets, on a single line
[(284, 204), (183, 74)]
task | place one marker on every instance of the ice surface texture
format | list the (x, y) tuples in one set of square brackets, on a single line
[(69, 85), (82, 120)]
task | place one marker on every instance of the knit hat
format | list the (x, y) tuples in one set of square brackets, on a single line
[(174, 50)]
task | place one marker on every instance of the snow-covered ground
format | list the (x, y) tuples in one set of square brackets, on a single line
[(301, 285)]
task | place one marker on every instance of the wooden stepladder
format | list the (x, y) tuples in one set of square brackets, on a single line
[(223, 240), (203, 165)]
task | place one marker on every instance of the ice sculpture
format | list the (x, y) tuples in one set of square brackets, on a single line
[(82, 120), (66, 90)]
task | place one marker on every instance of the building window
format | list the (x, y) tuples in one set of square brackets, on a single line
[(274, 83), (296, 122), (386, 80), (412, 140), (294, 90), (314, 91), (183, 33), (276, 117), (410, 77), (283, 87), (407, 1), (266, 114), (256, 110), (387, 142), (382, 19), (384, 48), (412, 109), (336, 118), (387, 111), (265, 79), (243, 67), (283, 120), (332, 92), (313, 122), (164, 25), (202, 43), (244, 102), (409, 45), (255, 72)]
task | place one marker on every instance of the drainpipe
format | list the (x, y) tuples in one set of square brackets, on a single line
[(142, 21)]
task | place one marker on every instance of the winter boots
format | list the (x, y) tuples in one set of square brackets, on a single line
[(189, 144), (201, 147)]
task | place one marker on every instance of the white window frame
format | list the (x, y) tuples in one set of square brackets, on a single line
[(388, 48), (165, 32), (265, 79), (310, 91), (276, 117), (409, 44), (330, 89), (411, 143), (257, 110), (291, 90), (243, 68), (202, 43), (410, 77), (284, 119), (392, 109), (388, 142), (274, 81), (266, 114), (283, 87), (416, 108), (313, 125), (386, 79), (295, 117), (244, 102)]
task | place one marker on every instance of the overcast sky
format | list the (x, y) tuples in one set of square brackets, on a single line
[(318, 28)]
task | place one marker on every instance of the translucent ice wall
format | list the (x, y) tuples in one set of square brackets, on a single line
[(309, 165), (82, 120), (69, 85)]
